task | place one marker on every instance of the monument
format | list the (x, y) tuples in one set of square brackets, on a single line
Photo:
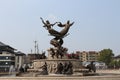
[(58, 50), (56, 62)]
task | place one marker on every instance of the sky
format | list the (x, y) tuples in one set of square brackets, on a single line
[(96, 27)]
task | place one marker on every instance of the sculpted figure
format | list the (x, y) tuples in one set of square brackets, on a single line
[(57, 41), (21, 69), (43, 55), (68, 68), (58, 52), (91, 67), (44, 69), (55, 33), (66, 28), (65, 68), (49, 26), (59, 68), (26, 67)]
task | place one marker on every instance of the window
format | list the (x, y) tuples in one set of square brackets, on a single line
[(6, 57), (6, 62)]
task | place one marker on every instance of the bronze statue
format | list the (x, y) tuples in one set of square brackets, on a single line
[(68, 68), (91, 67), (55, 33), (59, 68), (66, 28), (44, 69), (58, 40), (43, 55), (49, 26)]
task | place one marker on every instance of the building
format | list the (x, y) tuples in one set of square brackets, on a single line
[(85, 56), (7, 57), (117, 58), (82, 56), (20, 59), (92, 56)]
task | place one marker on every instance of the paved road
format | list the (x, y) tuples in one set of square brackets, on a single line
[(104, 75)]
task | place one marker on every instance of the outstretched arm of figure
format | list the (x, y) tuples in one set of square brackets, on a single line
[(54, 24), (71, 23), (42, 20), (60, 24)]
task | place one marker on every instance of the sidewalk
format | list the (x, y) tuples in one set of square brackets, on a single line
[(108, 72)]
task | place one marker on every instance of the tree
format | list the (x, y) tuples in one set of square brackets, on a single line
[(113, 64), (106, 56)]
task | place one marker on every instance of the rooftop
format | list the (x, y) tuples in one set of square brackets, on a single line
[(2, 44), (19, 53)]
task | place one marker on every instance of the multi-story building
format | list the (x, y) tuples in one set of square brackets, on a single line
[(7, 57), (87, 56), (92, 56)]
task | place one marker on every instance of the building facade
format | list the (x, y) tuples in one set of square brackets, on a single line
[(20, 59), (87, 56), (7, 57)]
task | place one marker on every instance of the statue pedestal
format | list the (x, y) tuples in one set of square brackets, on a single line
[(52, 64), (59, 57)]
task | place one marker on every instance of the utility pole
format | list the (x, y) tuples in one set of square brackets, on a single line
[(31, 51), (35, 46), (37, 49)]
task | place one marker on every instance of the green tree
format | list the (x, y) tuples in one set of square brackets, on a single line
[(119, 63), (113, 64), (106, 56)]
